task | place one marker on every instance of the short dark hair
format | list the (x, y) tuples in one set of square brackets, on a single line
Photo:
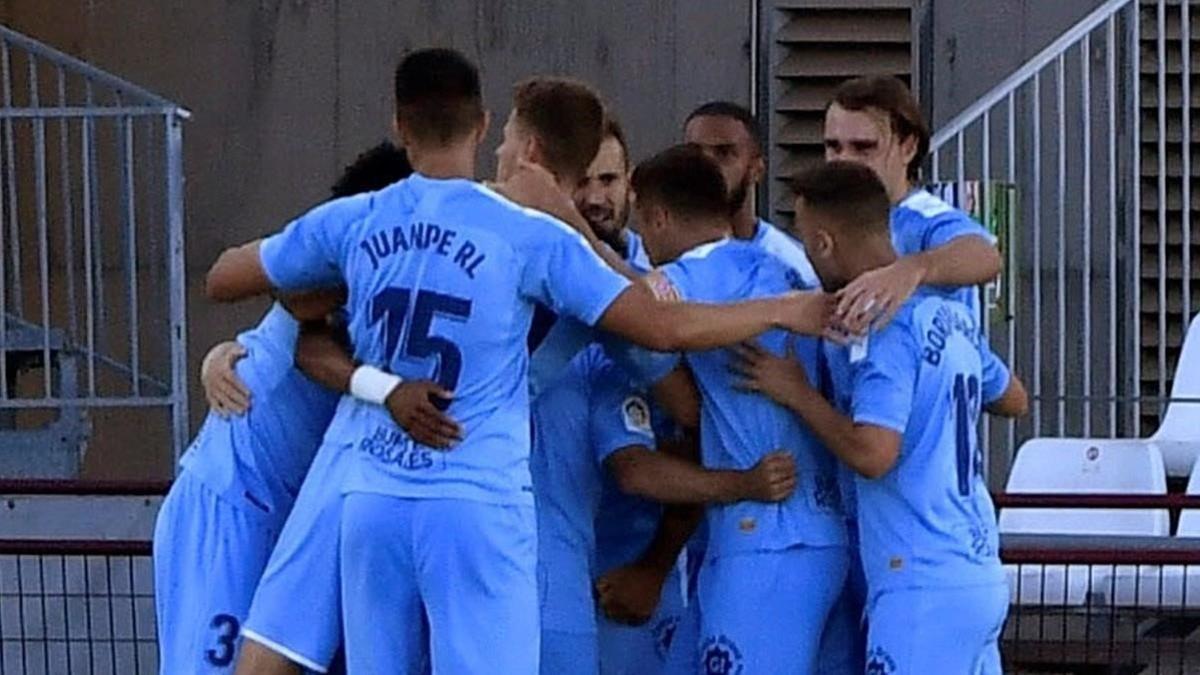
[(849, 194), (373, 170), (891, 96), (567, 117), (733, 111), (438, 95), (683, 180), (612, 129)]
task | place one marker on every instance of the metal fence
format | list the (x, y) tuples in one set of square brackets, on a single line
[(1098, 288), (74, 607), (91, 262)]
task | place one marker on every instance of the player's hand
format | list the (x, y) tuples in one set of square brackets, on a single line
[(779, 378), (806, 312), (630, 594), (532, 186), (412, 406), (773, 479), (872, 300), (223, 389)]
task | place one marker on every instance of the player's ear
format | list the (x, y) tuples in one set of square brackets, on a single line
[(908, 148), (481, 128), (758, 168)]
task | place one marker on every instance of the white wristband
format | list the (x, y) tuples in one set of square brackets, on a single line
[(372, 385)]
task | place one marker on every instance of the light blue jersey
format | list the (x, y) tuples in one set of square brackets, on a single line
[(443, 276), (591, 412), (274, 442), (738, 429), (566, 337), (223, 515), (928, 523), (923, 222)]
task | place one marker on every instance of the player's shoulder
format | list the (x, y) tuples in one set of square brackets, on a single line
[(520, 222), (786, 250), (924, 208)]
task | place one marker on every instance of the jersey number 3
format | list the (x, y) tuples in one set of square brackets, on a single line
[(966, 416), (392, 307)]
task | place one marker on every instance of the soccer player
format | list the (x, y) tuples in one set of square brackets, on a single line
[(875, 121), (442, 275), (911, 399), (730, 136), (792, 550), (239, 478), (602, 199), (593, 420)]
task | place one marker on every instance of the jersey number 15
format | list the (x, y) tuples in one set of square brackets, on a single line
[(392, 306)]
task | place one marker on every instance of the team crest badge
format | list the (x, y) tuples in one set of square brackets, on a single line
[(636, 413), (879, 662), (661, 287), (720, 656)]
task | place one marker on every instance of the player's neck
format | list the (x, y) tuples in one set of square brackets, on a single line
[(745, 222), (456, 161), (871, 255), (899, 190), (700, 233)]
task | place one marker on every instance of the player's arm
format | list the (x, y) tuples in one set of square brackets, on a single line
[(868, 449), (660, 477), (307, 254), (237, 274), (1014, 402), (1002, 391), (957, 252), (630, 594), (323, 353), (664, 326), (866, 446)]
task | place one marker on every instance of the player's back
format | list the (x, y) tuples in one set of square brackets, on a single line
[(930, 521), (273, 443), (442, 277), (739, 428)]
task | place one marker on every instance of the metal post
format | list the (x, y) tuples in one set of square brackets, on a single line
[(17, 301), (1111, 72), (1185, 36), (129, 197), (1036, 375), (1010, 262), (39, 162), (1061, 272), (68, 209), (178, 301), (89, 258), (1135, 215), (1162, 203), (1085, 63)]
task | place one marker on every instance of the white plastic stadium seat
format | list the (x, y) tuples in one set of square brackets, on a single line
[(1178, 437), (1080, 466), (1166, 587)]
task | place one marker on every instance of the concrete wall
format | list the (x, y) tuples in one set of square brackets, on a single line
[(285, 93), (976, 43)]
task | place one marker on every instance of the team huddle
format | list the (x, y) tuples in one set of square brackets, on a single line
[(491, 428)]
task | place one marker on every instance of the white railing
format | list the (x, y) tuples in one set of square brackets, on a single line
[(91, 262), (1065, 130)]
